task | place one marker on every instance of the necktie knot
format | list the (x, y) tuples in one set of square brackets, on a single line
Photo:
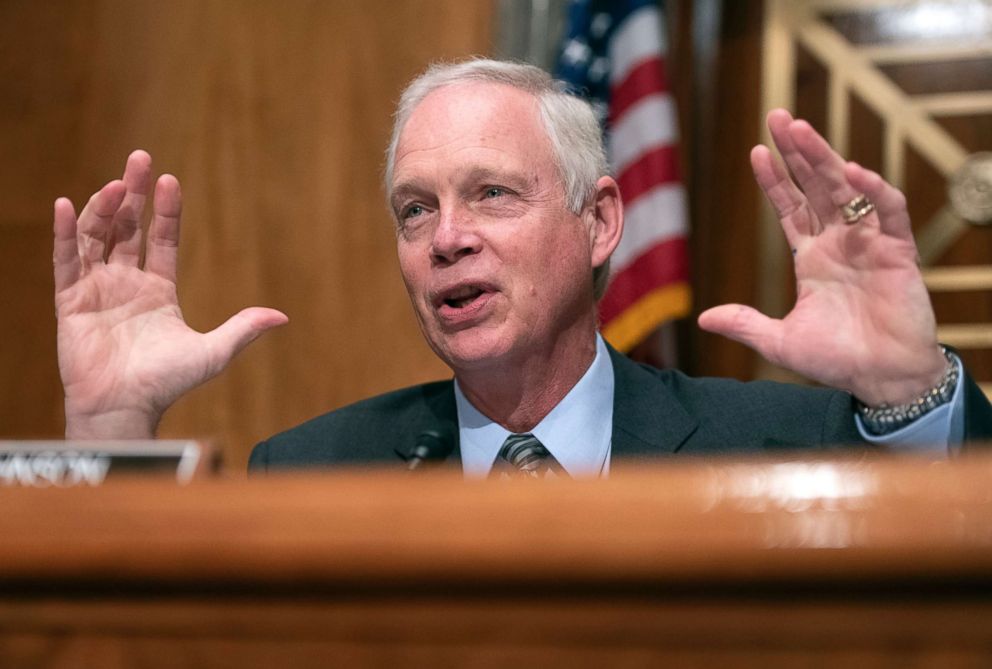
[(527, 455)]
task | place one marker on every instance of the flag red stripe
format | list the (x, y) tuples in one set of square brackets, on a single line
[(656, 167), (662, 264), (644, 79)]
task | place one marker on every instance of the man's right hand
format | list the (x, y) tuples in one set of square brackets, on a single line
[(125, 352)]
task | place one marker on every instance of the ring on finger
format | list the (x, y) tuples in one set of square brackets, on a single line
[(857, 208)]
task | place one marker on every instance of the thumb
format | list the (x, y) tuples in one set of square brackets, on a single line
[(241, 329), (745, 325)]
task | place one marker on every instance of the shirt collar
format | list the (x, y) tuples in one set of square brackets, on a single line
[(577, 431)]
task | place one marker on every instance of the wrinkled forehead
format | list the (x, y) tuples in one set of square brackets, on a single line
[(475, 115)]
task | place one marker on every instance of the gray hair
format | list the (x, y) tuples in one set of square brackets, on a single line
[(570, 123)]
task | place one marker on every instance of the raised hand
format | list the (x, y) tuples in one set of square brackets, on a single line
[(125, 352), (862, 320)]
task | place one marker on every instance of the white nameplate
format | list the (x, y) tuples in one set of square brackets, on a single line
[(65, 464)]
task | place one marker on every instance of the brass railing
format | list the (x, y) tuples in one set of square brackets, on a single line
[(909, 121)]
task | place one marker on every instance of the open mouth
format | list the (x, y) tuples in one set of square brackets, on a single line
[(462, 297), (464, 303)]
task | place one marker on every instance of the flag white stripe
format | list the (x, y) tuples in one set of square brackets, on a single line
[(654, 217), (644, 126), (638, 37)]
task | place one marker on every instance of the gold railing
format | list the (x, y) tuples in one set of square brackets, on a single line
[(909, 121)]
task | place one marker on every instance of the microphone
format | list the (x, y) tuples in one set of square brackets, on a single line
[(431, 446)]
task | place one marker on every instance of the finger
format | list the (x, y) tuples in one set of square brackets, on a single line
[(747, 326), (93, 226), (65, 256), (241, 329), (818, 197), (162, 250), (785, 198), (829, 169), (889, 201), (126, 225)]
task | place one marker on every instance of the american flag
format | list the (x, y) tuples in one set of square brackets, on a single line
[(614, 55)]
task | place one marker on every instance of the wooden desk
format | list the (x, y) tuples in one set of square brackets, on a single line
[(720, 564)]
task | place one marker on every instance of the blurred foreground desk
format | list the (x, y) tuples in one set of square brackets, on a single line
[(723, 564)]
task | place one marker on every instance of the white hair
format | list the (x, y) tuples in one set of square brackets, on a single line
[(570, 123)]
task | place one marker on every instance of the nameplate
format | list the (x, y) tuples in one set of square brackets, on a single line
[(68, 464)]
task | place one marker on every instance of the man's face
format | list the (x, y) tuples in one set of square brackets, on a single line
[(497, 268)]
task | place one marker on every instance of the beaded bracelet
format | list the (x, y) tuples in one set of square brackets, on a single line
[(886, 419)]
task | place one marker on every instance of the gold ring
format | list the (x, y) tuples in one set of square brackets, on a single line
[(857, 209)]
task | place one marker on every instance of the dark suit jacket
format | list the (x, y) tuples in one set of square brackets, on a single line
[(656, 413)]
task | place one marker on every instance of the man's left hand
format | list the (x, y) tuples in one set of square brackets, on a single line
[(862, 321)]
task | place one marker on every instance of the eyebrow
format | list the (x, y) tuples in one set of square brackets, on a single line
[(404, 189), (474, 175), (514, 178)]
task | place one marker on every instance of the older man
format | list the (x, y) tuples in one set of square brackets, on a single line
[(506, 220)]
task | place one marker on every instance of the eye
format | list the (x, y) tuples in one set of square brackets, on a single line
[(495, 191), (412, 211)]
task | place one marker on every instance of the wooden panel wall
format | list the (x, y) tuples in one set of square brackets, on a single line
[(716, 49), (274, 115)]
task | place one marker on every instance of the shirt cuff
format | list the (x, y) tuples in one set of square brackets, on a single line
[(940, 431)]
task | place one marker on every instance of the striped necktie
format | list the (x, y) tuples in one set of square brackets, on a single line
[(528, 457)]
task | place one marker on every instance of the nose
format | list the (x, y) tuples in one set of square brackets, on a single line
[(454, 238)]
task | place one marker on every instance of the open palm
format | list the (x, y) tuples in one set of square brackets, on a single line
[(862, 320), (125, 352)]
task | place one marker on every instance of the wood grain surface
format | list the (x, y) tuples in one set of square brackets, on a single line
[(878, 562)]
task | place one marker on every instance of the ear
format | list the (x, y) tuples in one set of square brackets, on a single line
[(606, 211)]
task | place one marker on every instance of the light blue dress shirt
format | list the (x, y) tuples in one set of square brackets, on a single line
[(579, 430), (938, 432)]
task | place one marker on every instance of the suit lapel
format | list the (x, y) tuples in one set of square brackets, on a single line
[(648, 419), (444, 414), (433, 409)]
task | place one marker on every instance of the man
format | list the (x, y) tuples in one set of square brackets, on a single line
[(505, 221)]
